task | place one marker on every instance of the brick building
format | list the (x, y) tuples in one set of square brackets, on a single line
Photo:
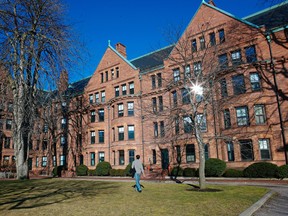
[(142, 106)]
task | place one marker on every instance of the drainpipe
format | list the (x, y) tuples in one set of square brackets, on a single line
[(142, 120), (268, 37)]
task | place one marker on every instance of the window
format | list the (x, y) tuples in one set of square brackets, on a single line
[(102, 77), (131, 132), (92, 158), (91, 98), (230, 151), (101, 136), (131, 156), (62, 140), (155, 126), (53, 161), (121, 157), (160, 99), (197, 66), (201, 122), (8, 124), (190, 153), (185, 96), (194, 45), (92, 137), (242, 116), (106, 75), (264, 148), (221, 36), (120, 110), (102, 96), (154, 160), (101, 115), (116, 91), (223, 61), (187, 124), (112, 73), (227, 119), (236, 57), (202, 43), (178, 153), (153, 81), (206, 151), (10, 107), (63, 123), (246, 149), (131, 88), (154, 104), (62, 160), (255, 82), (177, 125), (130, 108), (97, 97), (212, 39), (159, 79), (93, 116), (224, 91), (187, 73), (174, 95), (37, 162), (238, 84), (250, 53), (117, 72), (44, 161), (101, 156), (44, 144), (120, 133), (7, 142), (176, 75), (124, 89), (162, 129), (260, 116)]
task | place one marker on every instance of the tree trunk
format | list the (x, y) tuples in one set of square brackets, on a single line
[(202, 178)]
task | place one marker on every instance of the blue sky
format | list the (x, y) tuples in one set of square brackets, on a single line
[(138, 24)]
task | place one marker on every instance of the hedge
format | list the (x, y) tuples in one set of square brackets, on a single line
[(214, 167), (261, 170)]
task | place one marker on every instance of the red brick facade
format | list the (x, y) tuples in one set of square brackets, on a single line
[(128, 104)]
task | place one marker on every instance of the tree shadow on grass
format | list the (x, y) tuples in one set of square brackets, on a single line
[(204, 190), (33, 194)]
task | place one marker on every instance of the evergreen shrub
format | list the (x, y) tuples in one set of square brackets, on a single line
[(214, 167), (81, 170), (103, 168), (261, 170), (233, 173), (174, 171), (57, 171), (189, 172), (282, 172)]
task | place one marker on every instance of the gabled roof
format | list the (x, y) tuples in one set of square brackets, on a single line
[(77, 88), (273, 17), (153, 60)]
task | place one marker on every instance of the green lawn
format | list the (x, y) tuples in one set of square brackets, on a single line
[(75, 197)]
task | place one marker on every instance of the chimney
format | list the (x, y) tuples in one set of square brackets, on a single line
[(121, 49), (211, 2), (63, 81)]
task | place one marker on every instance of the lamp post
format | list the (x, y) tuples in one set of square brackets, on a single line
[(268, 37)]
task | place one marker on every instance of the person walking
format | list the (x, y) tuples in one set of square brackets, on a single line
[(137, 165)]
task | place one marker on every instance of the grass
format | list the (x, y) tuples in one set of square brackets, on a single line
[(75, 197)]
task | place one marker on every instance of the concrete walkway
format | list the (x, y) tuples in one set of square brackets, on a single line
[(274, 203)]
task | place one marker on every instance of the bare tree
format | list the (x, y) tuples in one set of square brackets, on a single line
[(35, 48)]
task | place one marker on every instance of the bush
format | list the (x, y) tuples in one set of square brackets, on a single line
[(261, 170), (117, 172), (57, 171), (174, 171), (91, 172), (214, 167), (103, 168), (127, 170), (81, 170), (189, 172), (282, 172), (233, 173)]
